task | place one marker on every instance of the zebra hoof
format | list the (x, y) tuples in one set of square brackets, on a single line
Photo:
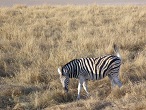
[(88, 95), (78, 98)]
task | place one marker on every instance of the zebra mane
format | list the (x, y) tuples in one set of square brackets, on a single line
[(74, 60)]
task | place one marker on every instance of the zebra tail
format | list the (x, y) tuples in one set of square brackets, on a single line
[(116, 50)]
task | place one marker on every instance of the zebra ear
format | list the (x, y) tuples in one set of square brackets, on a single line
[(59, 70)]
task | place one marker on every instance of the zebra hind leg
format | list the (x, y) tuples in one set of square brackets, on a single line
[(113, 84), (117, 81)]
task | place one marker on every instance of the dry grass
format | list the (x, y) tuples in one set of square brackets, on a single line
[(34, 41)]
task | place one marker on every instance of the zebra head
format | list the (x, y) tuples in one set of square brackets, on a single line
[(64, 78)]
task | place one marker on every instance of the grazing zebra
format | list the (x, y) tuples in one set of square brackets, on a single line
[(91, 69)]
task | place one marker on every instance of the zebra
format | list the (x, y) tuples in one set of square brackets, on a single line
[(85, 69)]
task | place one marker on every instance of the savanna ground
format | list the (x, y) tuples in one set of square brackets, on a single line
[(34, 41)]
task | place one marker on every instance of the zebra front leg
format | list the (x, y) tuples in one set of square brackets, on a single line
[(86, 88), (81, 80), (79, 90)]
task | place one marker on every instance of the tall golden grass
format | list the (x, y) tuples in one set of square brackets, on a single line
[(35, 40)]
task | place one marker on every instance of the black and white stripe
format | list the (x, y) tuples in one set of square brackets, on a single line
[(92, 69)]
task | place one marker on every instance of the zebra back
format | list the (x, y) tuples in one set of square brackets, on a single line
[(98, 68)]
